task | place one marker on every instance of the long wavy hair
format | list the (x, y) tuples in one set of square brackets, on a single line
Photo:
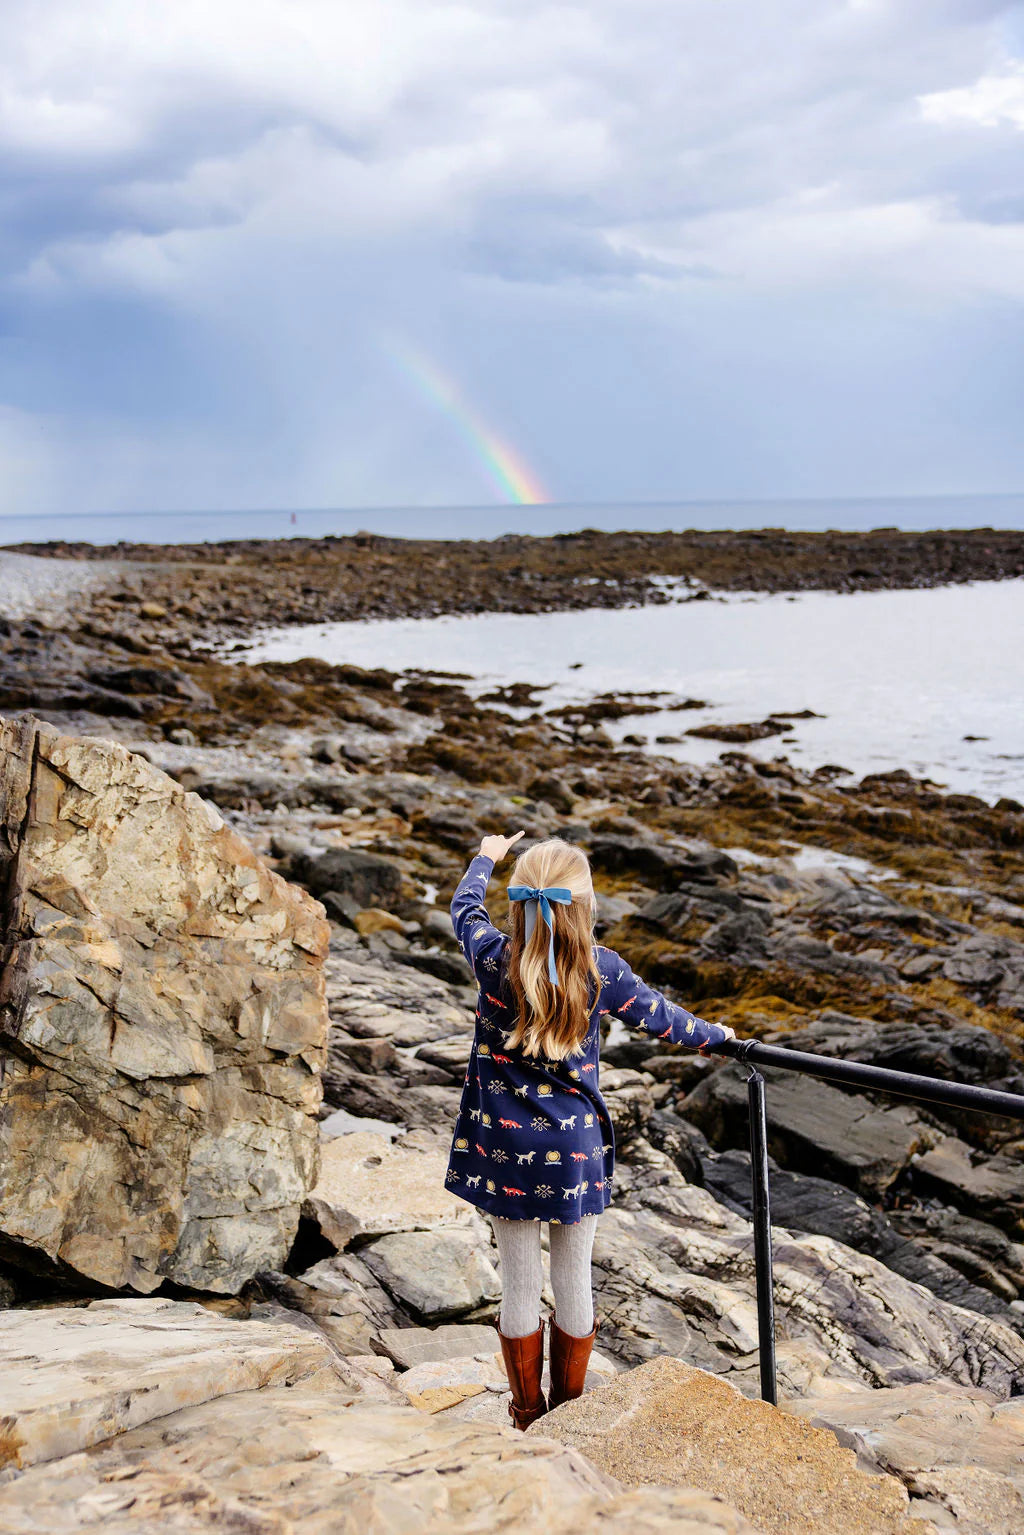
[(553, 1021)]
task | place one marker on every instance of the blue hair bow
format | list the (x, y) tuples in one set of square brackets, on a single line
[(535, 897)]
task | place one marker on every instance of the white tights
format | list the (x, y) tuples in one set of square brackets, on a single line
[(522, 1276)]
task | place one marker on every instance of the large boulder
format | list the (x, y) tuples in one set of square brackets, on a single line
[(670, 1424), (162, 1027)]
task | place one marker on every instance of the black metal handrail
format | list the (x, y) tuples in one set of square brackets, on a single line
[(906, 1084)]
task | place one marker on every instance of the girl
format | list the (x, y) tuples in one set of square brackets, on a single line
[(533, 1141)]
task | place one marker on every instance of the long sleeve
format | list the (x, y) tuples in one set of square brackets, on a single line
[(480, 941), (640, 1006)]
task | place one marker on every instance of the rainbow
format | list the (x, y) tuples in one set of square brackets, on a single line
[(514, 478)]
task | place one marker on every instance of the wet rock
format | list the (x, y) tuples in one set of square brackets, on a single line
[(676, 1425), (555, 790), (813, 1127), (664, 863), (436, 1274), (801, 1202), (162, 1024)]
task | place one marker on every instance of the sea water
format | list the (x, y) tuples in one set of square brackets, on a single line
[(930, 680), (848, 514)]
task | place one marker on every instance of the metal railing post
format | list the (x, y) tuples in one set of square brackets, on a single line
[(762, 1234)]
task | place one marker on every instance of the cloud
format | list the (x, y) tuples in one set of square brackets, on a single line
[(214, 208)]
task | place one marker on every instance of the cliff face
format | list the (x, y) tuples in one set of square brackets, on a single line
[(162, 1026)]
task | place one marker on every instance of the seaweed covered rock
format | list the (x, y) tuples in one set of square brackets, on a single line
[(162, 1027)]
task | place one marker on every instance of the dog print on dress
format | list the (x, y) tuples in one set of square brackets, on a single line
[(542, 1114)]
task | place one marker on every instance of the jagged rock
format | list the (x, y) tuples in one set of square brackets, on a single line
[(76, 1375), (960, 1452), (674, 1273), (342, 1297), (367, 1188), (162, 1027), (813, 1127), (675, 1425), (801, 1202), (436, 1274)]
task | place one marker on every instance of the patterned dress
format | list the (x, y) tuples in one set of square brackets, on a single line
[(533, 1140)]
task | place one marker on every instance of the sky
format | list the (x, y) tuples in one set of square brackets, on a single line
[(326, 253)]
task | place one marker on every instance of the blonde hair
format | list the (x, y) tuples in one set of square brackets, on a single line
[(553, 1021)]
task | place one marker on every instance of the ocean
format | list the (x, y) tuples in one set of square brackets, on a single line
[(929, 680), (916, 512)]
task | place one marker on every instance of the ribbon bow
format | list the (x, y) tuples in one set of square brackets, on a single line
[(534, 898)]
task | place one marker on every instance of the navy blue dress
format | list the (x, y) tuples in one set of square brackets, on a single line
[(533, 1140)]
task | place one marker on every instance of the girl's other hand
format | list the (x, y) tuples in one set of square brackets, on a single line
[(497, 847)]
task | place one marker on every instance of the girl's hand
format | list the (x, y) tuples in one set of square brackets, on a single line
[(730, 1033), (497, 847)]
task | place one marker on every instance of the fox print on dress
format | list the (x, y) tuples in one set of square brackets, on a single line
[(554, 1118)]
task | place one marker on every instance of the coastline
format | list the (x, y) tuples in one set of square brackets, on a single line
[(880, 921)]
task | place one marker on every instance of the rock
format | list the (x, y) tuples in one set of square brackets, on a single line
[(813, 1127), (409, 1346), (320, 1462), (437, 1274), (366, 878), (446, 967), (373, 920), (367, 1188), (436, 1385), (76, 1375), (994, 1185), (548, 786), (162, 1022), (342, 1297), (955, 1448), (437, 926), (670, 1424)]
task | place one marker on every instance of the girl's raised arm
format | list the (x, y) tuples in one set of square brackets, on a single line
[(640, 1006), (478, 938)]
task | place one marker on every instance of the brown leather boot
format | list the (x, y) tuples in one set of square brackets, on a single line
[(524, 1365), (569, 1359)]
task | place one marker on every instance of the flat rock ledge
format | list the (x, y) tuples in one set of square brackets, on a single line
[(163, 1025)]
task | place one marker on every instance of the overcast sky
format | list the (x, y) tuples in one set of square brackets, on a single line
[(664, 249)]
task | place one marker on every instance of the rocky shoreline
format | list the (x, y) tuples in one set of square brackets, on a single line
[(881, 921), (212, 589)]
